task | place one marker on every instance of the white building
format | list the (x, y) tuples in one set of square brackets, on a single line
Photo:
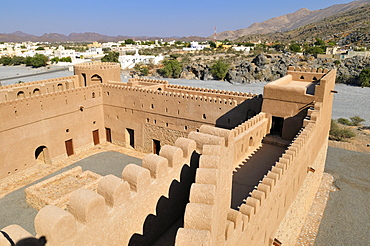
[(62, 52), (194, 46), (129, 61), (242, 48)]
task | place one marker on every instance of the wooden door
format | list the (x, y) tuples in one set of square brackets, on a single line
[(108, 134), (96, 137), (69, 147)]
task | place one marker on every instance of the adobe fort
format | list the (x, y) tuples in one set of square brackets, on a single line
[(237, 168)]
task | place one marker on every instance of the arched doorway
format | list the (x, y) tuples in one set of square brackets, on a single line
[(36, 92), (42, 155), (20, 95), (96, 79)]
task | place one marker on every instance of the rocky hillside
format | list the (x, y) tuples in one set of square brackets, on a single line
[(349, 27), (271, 67), (291, 21)]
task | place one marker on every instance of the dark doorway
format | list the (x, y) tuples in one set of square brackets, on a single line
[(96, 137), (42, 154), (69, 147), (130, 139), (277, 125), (156, 146), (84, 76), (96, 79), (108, 134)]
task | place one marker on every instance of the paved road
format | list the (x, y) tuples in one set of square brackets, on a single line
[(15, 210), (346, 218), (35, 74)]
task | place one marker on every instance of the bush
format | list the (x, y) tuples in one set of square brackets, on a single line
[(111, 57), (365, 77), (338, 133), (344, 121), (356, 120), (219, 69), (171, 69)]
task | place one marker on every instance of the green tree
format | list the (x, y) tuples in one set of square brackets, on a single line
[(315, 50), (28, 61), (339, 134), (365, 77), (171, 69), (295, 47), (212, 44), (40, 48), (111, 57), (18, 60), (129, 41), (279, 47), (219, 69), (319, 42), (54, 60), (6, 60), (66, 59), (39, 60), (356, 120)]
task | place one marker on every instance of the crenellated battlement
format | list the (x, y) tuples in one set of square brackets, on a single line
[(97, 66), (111, 208)]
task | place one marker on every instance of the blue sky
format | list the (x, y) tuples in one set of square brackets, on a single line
[(164, 18)]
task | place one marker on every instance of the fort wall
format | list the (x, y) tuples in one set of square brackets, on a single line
[(36, 88), (48, 120), (123, 207), (165, 116)]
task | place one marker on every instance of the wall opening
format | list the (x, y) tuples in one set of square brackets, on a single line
[(108, 134), (60, 87), (69, 147), (277, 126), (96, 137), (42, 154), (36, 91), (156, 146), (20, 94), (130, 137), (96, 79), (84, 77)]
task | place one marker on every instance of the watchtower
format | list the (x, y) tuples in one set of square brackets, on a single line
[(97, 72)]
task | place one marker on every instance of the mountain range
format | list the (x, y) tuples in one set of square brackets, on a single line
[(291, 21), (274, 26)]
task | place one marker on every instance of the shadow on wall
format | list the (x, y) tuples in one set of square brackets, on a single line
[(240, 113), (169, 210)]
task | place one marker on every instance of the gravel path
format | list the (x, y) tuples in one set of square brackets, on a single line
[(346, 218)]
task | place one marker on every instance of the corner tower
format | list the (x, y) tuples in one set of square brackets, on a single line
[(97, 72)]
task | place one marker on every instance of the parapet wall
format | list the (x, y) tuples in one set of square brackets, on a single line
[(35, 88), (120, 207), (207, 216)]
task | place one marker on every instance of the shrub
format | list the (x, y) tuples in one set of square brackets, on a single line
[(365, 77), (339, 133), (356, 120), (344, 121), (219, 69), (171, 69)]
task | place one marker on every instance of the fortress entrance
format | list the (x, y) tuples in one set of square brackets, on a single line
[(277, 126), (156, 146), (130, 137), (42, 155)]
